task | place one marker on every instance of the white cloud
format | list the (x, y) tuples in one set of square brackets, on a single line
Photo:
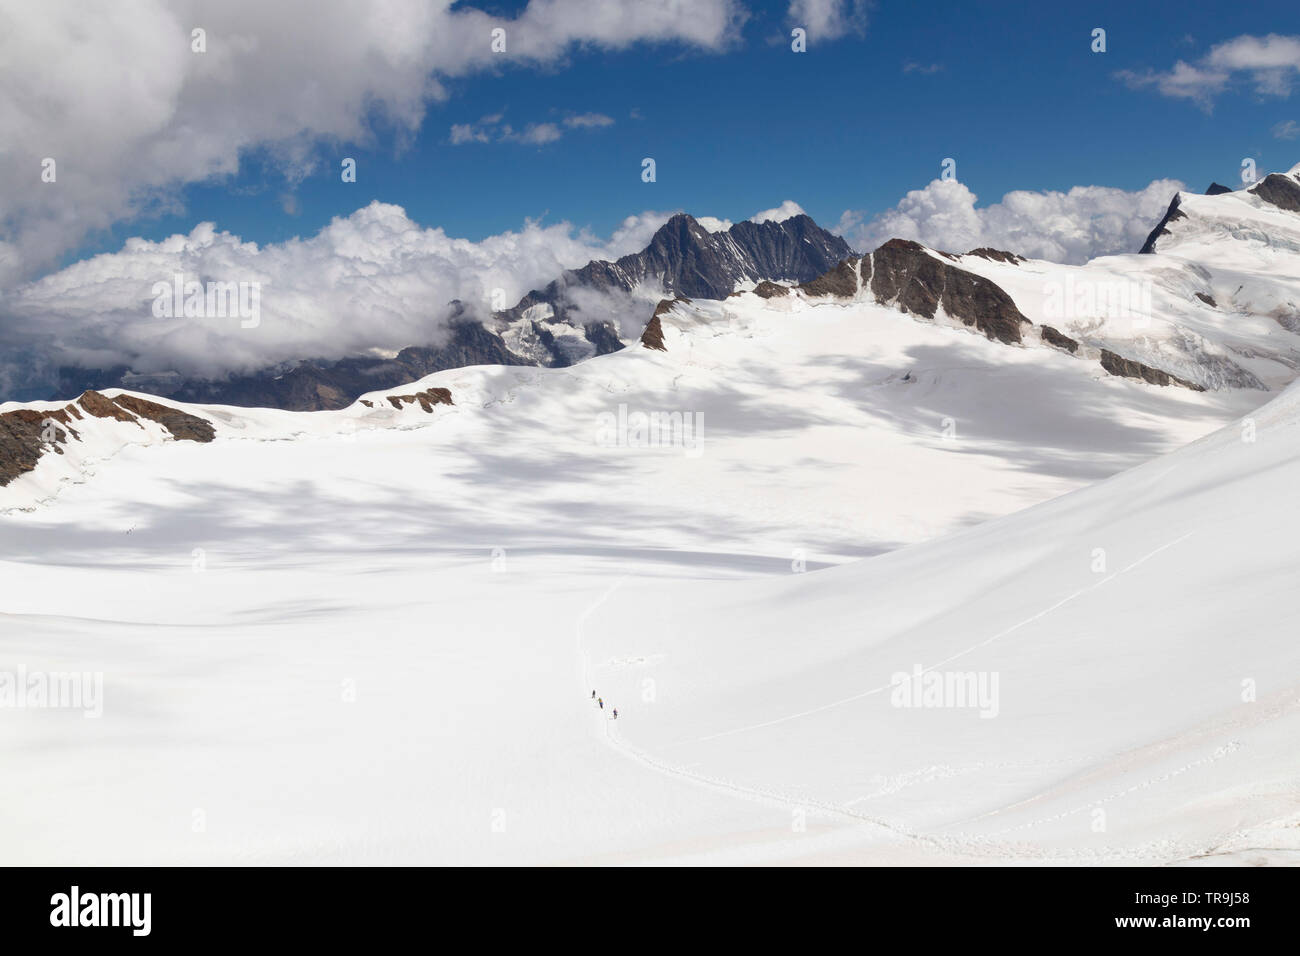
[(535, 134), (926, 69), (1073, 227), (462, 133), (114, 93), (828, 19), (1270, 63), (371, 280), (786, 210), (1287, 129), (713, 224), (490, 128), (588, 120)]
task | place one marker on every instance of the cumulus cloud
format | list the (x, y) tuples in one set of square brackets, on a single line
[(1270, 63), (1071, 227), (116, 95), (373, 280), (713, 224), (828, 19), (787, 210)]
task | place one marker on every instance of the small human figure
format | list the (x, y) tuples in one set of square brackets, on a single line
[(616, 713), (601, 701)]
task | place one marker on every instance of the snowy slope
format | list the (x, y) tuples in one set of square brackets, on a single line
[(1235, 250), (370, 635), (833, 430), (1147, 709)]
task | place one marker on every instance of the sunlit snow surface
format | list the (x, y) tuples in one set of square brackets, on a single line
[(371, 636)]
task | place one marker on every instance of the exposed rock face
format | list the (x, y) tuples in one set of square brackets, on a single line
[(997, 255), (841, 281), (182, 425), (770, 290), (1207, 299), (686, 259), (427, 399), (906, 275), (1217, 190), (103, 407), (1058, 340), (1128, 368), (28, 433), (1282, 191), (652, 336), (1172, 214), (22, 434)]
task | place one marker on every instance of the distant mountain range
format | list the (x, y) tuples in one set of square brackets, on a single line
[(1213, 307), (603, 306), (567, 321)]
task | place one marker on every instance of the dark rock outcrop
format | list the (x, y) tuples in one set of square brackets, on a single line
[(1207, 299), (1059, 340), (841, 281), (652, 336), (770, 290), (427, 399), (182, 425), (1128, 368), (27, 433), (1282, 191), (1217, 190), (22, 439), (907, 276), (997, 255), (1172, 214), (686, 259)]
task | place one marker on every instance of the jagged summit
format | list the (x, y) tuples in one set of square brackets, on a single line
[(684, 258)]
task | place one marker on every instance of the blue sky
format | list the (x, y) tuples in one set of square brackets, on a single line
[(1012, 91)]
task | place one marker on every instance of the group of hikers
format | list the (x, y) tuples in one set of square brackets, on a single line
[(601, 701)]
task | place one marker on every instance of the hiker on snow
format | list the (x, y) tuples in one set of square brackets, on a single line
[(601, 701), (616, 713)]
